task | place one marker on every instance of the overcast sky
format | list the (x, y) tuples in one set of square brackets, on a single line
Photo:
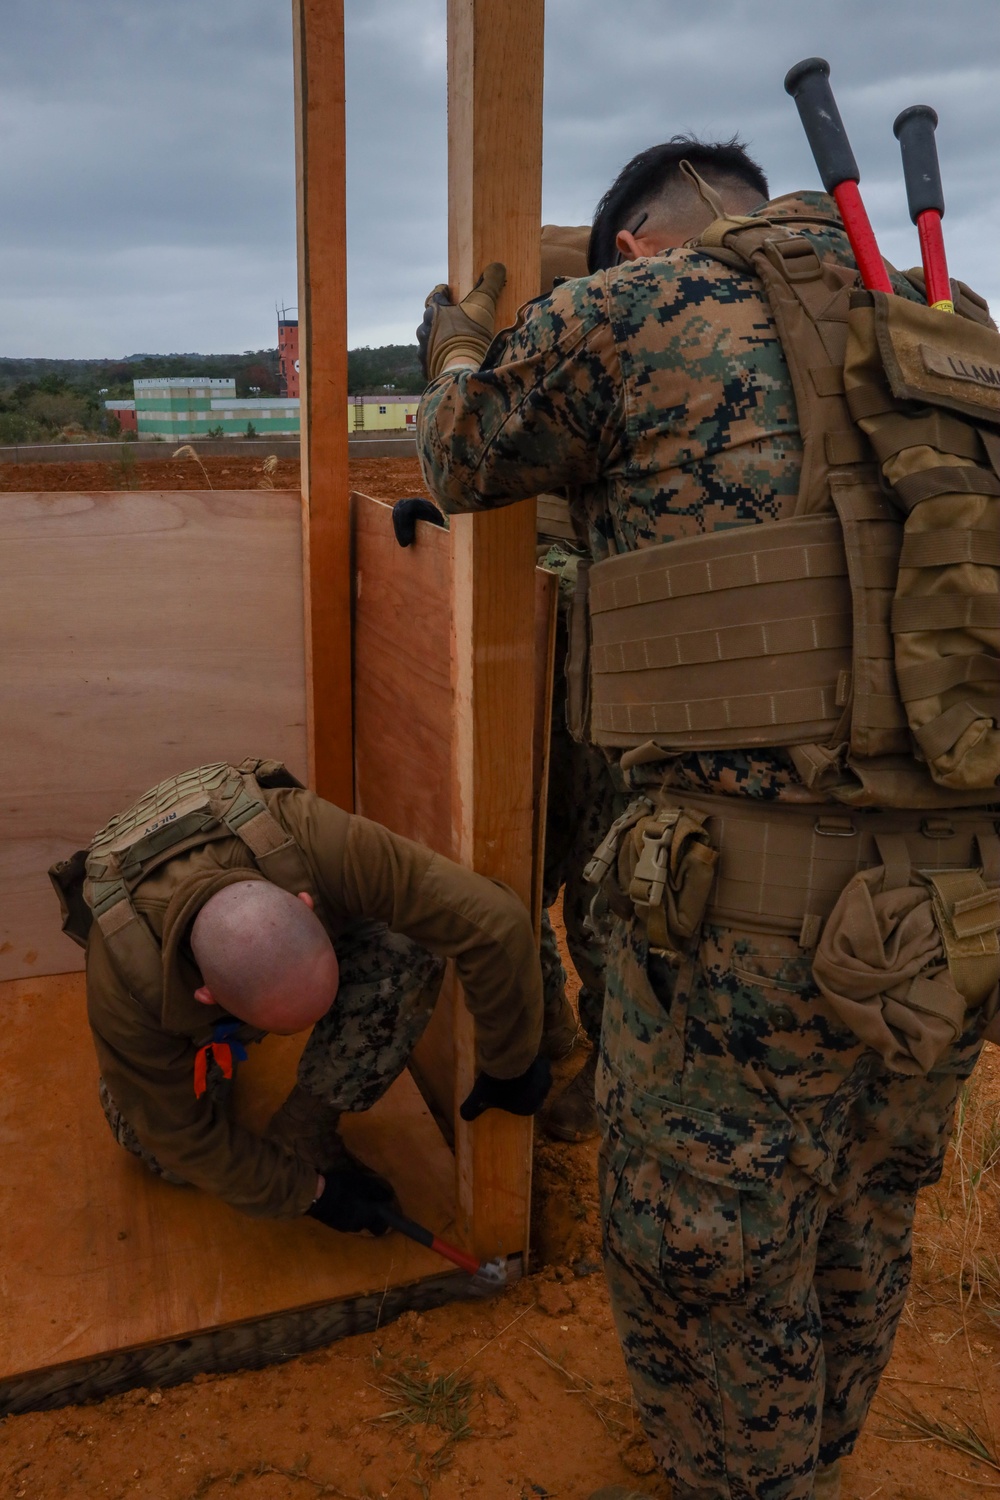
[(147, 157)]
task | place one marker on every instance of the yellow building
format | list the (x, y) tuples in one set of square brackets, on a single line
[(386, 413)]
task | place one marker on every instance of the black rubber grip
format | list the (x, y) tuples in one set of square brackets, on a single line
[(914, 130), (409, 1227), (809, 85)]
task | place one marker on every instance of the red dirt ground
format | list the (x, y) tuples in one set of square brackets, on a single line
[(386, 478), (548, 1414)]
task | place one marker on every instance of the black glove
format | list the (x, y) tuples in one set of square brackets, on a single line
[(406, 514), (352, 1200), (518, 1096)]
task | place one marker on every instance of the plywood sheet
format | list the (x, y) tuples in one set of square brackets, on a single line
[(405, 716), (98, 1256), (143, 633), (404, 698)]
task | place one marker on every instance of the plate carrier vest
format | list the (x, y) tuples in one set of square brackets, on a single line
[(217, 801), (864, 632)]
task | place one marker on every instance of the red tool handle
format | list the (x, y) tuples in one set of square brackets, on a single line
[(936, 279), (415, 1231), (809, 85), (914, 130), (857, 226), (457, 1257)]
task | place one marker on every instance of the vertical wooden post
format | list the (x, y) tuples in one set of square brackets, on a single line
[(494, 213), (320, 165)]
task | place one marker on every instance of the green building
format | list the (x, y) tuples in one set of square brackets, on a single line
[(182, 408)]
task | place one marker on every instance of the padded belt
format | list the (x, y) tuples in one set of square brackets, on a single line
[(782, 866)]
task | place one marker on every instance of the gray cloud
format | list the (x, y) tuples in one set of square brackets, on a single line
[(147, 159)]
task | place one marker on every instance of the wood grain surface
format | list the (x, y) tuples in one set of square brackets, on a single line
[(143, 633), (100, 1256), (405, 721), (495, 55), (321, 197)]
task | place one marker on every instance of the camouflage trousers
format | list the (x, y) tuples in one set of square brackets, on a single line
[(584, 800), (759, 1174), (388, 988)]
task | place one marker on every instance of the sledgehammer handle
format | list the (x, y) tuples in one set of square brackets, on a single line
[(914, 130), (809, 85)]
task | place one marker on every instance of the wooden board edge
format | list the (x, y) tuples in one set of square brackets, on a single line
[(237, 1346)]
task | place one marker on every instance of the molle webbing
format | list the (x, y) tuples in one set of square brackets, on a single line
[(552, 519), (872, 539), (925, 387), (783, 866), (736, 638), (184, 812)]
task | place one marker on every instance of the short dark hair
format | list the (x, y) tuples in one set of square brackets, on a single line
[(653, 170)]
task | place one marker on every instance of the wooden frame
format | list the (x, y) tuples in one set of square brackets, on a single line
[(119, 1277), (320, 178)]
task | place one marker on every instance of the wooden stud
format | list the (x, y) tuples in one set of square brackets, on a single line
[(320, 164), (494, 213)]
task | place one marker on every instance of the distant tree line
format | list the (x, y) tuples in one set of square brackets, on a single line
[(43, 400)]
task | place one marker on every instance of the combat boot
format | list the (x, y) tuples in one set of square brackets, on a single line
[(826, 1485), (572, 1115), (560, 1029)]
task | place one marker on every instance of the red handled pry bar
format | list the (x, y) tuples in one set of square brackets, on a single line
[(809, 85), (488, 1277), (914, 130)]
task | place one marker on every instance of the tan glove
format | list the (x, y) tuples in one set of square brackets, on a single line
[(460, 335)]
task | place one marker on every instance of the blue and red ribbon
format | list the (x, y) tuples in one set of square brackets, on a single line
[(225, 1048)]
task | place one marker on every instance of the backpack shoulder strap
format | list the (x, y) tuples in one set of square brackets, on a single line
[(809, 300)]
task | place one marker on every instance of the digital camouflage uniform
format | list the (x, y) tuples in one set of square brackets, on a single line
[(759, 1166), (387, 991), (394, 911)]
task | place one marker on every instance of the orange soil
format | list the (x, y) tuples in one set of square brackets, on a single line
[(550, 1413), (386, 478)]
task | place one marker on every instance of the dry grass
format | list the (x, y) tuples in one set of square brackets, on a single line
[(618, 1415), (422, 1399), (956, 1251), (267, 470), (124, 470), (957, 1267), (911, 1425), (186, 451)]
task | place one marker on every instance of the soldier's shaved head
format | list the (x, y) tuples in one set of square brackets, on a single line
[(264, 957), (652, 188)]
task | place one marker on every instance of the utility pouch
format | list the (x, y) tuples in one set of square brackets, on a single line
[(658, 865), (906, 954), (925, 387), (577, 667), (67, 879)]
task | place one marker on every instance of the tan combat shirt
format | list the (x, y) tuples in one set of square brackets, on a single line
[(362, 873)]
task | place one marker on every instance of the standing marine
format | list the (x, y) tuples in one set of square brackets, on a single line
[(804, 953)]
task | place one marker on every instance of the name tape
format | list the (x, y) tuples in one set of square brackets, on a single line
[(957, 367)]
